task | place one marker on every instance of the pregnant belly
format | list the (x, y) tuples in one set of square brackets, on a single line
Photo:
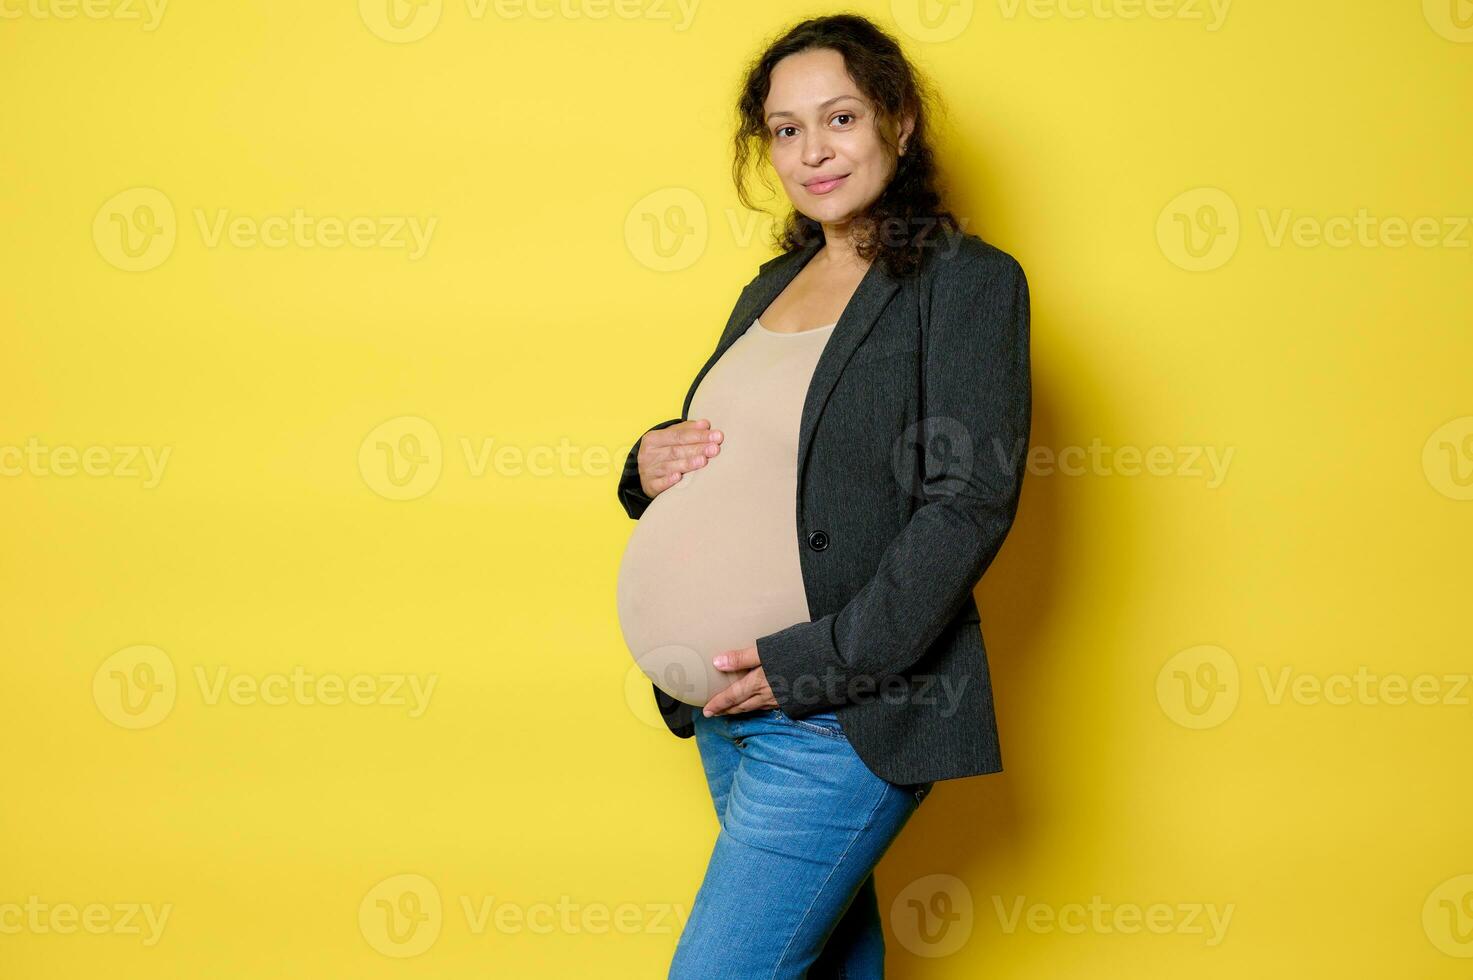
[(712, 565)]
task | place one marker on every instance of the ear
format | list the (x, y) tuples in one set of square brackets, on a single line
[(907, 126)]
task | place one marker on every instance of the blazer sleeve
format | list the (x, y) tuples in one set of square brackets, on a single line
[(631, 494), (977, 401)]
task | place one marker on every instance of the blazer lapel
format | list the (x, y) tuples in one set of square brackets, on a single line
[(869, 299)]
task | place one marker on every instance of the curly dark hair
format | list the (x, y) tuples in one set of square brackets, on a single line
[(903, 224)]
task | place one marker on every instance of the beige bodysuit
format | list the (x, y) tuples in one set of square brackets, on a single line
[(712, 563)]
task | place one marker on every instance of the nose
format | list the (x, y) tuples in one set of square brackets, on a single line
[(815, 147)]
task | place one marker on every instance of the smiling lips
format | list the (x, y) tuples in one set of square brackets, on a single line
[(824, 186)]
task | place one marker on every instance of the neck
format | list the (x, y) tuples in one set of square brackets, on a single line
[(838, 248)]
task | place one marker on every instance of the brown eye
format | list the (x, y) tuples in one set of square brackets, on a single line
[(844, 115)]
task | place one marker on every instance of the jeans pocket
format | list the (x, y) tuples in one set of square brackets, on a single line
[(824, 723)]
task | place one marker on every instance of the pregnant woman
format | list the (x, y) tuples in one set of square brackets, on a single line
[(847, 464)]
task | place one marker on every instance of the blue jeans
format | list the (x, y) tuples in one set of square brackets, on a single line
[(790, 889)]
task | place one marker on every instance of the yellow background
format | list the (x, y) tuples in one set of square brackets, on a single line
[(545, 314)]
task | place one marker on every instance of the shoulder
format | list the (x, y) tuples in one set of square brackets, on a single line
[(962, 259), (975, 288), (772, 262)]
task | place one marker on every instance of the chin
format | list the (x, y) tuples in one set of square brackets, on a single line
[(826, 209)]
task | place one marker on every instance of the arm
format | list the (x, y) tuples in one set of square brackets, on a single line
[(976, 382), (631, 494)]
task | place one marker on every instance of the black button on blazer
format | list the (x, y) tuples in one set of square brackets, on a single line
[(911, 453)]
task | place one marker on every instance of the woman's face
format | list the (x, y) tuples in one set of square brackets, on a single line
[(823, 137)]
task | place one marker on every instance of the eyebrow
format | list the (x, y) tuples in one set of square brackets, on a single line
[(822, 105)]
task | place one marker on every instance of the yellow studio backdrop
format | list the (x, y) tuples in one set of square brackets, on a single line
[(325, 325)]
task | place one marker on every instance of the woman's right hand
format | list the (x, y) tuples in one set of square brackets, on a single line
[(666, 454)]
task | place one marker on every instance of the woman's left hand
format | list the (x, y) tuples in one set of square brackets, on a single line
[(748, 692)]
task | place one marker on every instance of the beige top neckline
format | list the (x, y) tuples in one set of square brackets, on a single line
[(792, 333)]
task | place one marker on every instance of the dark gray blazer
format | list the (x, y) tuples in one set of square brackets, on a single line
[(911, 451)]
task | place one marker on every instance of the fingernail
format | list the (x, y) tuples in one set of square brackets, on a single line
[(720, 661)]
